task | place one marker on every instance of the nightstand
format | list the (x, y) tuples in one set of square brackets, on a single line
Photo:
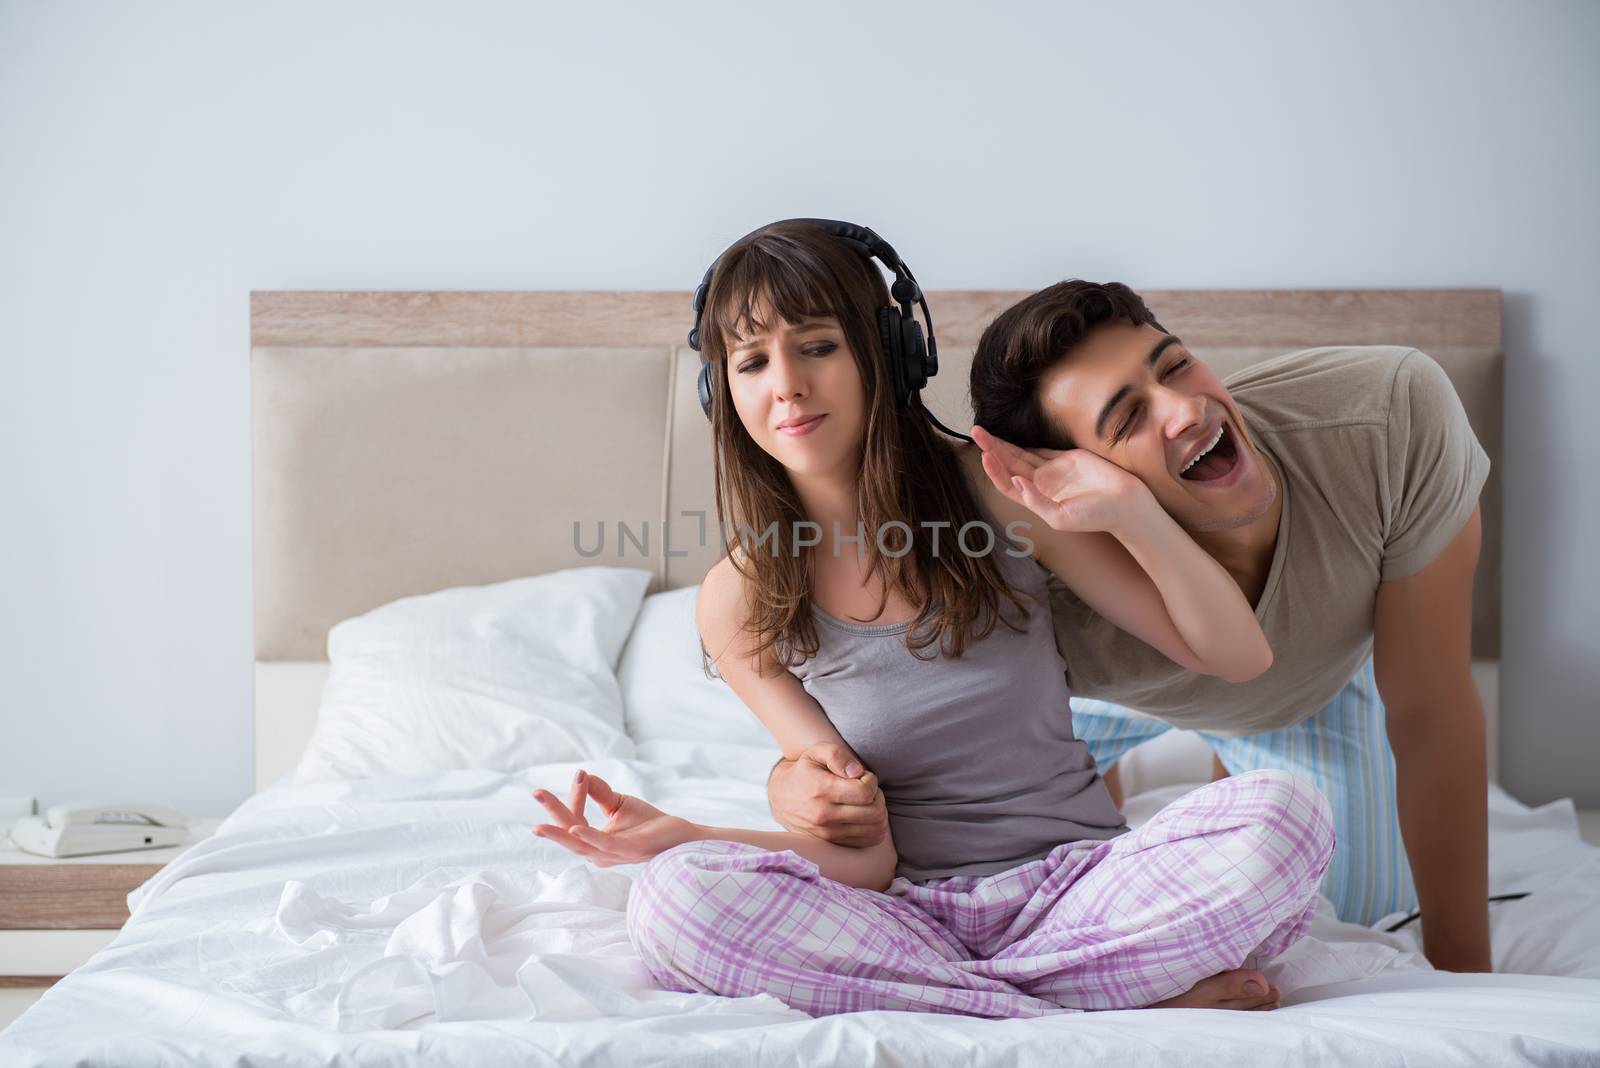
[(57, 912)]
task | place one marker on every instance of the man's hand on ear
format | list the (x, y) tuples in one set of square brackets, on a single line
[(828, 794), (1072, 490)]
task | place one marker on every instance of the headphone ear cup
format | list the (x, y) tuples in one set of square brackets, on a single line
[(703, 388), (915, 355), (890, 333)]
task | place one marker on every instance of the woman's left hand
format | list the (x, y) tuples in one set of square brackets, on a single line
[(634, 832)]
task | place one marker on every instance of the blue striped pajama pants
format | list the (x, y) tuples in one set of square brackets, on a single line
[(1343, 749)]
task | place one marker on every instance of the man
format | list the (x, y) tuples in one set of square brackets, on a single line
[(1339, 488)]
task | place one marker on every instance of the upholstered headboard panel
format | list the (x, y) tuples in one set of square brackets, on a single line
[(406, 442)]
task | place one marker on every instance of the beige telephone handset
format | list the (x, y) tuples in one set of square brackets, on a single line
[(80, 829)]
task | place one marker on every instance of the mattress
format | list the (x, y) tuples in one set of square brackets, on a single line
[(419, 921)]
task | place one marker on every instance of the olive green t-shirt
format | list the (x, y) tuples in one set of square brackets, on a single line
[(1379, 472)]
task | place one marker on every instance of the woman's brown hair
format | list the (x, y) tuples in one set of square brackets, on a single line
[(909, 472)]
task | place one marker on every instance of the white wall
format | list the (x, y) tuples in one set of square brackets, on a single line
[(159, 161)]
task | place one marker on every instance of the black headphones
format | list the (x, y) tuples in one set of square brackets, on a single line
[(913, 359)]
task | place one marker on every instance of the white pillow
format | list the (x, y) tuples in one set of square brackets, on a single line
[(671, 709), (496, 677)]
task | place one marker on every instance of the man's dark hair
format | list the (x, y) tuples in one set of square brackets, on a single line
[(1027, 340)]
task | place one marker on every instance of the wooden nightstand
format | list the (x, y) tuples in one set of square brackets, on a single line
[(56, 913)]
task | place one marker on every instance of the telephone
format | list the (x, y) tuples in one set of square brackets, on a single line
[(80, 829)]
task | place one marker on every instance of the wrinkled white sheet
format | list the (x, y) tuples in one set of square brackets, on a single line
[(419, 921)]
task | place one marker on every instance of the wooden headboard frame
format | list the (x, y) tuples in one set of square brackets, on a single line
[(405, 442)]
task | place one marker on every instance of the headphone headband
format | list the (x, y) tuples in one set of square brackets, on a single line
[(866, 244), (913, 357)]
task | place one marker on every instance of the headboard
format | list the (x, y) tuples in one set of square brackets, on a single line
[(408, 442)]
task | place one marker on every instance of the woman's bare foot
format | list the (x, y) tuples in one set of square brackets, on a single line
[(1227, 990)]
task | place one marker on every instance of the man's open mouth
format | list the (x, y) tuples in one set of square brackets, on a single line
[(1217, 462)]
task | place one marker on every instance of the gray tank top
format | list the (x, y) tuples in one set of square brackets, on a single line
[(975, 755)]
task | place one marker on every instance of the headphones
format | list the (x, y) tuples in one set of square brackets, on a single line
[(912, 358)]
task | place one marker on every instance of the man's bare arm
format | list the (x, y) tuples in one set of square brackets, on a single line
[(1422, 629)]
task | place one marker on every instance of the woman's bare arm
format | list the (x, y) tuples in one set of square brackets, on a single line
[(870, 867), (636, 831), (795, 720)]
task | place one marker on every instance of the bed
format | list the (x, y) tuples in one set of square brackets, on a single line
[(527, 474)]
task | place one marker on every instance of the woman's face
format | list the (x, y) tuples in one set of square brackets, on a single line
[(799, 393)]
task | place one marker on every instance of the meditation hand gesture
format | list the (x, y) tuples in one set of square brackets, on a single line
[(634, 832), (1071, 490)]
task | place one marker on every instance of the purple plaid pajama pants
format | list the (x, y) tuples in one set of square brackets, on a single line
[(1225, 877)]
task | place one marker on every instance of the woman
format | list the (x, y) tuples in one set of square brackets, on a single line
[(1008, 885)]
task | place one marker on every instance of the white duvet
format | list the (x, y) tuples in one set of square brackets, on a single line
[(420, 922)]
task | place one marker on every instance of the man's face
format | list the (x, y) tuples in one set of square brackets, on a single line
[(1139, 398)]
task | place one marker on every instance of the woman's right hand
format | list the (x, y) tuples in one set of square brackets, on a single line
[(635, 830)]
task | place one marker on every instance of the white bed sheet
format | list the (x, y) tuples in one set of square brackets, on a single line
[(420, 922)]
